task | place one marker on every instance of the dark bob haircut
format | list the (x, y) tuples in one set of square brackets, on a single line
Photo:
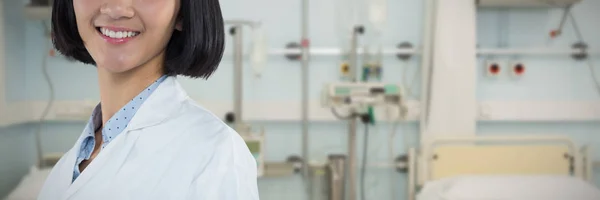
[(194, 52)]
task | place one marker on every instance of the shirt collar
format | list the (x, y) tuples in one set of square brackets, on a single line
[(120, 120)]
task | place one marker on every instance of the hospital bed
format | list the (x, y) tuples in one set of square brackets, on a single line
[(31, 184), (501, 168)]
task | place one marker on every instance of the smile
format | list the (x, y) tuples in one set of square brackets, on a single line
[(117, 36)]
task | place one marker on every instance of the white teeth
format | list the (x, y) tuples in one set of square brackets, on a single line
[(117, 34)]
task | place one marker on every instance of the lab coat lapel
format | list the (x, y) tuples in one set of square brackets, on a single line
[(114, 152), (158, 107)]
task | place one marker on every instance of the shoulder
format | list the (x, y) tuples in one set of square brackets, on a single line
[(194, 131), (229, 170), (197, 123), (204, 126), (201, 128)]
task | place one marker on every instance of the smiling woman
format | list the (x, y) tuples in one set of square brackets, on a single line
[(147, 139), (158, 23)]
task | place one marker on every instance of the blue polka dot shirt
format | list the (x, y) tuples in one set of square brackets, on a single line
[(113, 127)]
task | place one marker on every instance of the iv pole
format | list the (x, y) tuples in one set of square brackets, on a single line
[(238, 90), (238, 70), (304, 74), (352, 171)]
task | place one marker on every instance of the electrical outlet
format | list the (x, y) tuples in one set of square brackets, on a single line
[(493, 68), (345, 69), (517, 69)]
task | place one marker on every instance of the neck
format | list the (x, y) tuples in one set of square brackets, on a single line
[(117, 89)]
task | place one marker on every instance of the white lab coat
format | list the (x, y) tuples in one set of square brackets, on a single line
[(172, 149)]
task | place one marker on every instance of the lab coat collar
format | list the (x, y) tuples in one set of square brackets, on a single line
[(162, 104)]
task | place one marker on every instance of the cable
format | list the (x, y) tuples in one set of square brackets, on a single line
[(589, 61), (38, 137), (409, 84), (334, 111), (363, 169), (576, 27), (392, 135), (593, 72)]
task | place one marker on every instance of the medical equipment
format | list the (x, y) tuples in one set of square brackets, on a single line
[(344, 71), (371, 68), (336, 177), (584, 55), (238, 70), (378, 15), (237, 32), (259, 50), (526, 3), (446, 158), (259, 45), (351, 185), (318, 181), (408, 84), (359, 98), (361, 94), (256, 144), (254, 140)]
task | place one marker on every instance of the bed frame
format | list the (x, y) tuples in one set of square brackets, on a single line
[(444, 157)]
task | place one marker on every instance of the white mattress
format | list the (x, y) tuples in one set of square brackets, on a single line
[(509, 188), (30, 185)]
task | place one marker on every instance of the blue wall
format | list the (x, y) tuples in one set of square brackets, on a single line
[(15, 49), (548, 78)]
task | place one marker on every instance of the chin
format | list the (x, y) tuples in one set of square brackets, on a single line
[(114, 67)]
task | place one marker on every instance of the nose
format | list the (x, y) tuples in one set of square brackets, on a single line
[(117, 9)]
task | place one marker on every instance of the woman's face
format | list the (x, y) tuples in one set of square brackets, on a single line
[(123, 34)]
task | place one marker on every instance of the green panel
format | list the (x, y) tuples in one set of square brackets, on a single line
[(391, 89), (342, 91), (254, 146)]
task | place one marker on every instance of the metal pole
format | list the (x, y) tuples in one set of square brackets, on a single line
[(353, 123), (238, 92), (412, 160), (354, 54), (352, 160), (237, 23), (534, 51), (304, 74), (426, 62)]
